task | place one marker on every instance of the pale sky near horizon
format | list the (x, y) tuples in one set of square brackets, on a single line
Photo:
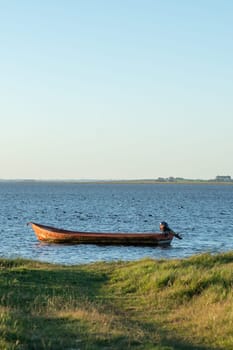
[(101, 89)]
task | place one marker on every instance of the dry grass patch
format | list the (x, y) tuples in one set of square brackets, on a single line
[(91, 316), (205, 322)]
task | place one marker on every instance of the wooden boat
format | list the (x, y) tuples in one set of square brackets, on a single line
[(56, 235)]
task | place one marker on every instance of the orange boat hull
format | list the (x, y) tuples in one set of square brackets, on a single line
[(55, 235)]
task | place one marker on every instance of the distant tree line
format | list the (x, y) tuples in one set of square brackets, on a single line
[(218, 178)]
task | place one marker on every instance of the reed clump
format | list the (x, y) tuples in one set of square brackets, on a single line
[(147, 304)]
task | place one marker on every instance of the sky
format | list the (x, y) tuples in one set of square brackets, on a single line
[(126, 89)]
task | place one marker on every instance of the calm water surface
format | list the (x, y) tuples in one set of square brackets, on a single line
[(203, 214)]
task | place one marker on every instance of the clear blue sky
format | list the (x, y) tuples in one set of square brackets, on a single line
[(116, 89)]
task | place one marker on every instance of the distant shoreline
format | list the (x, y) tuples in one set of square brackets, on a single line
[(127, 182)]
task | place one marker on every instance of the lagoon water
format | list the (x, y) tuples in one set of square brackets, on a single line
[(203, 214)]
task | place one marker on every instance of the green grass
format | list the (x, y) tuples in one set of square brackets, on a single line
[(148, 304)]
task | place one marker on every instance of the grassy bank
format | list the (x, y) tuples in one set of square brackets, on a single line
[(149, 304)]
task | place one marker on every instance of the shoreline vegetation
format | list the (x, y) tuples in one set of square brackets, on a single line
[(171, 180), (179, 304)]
